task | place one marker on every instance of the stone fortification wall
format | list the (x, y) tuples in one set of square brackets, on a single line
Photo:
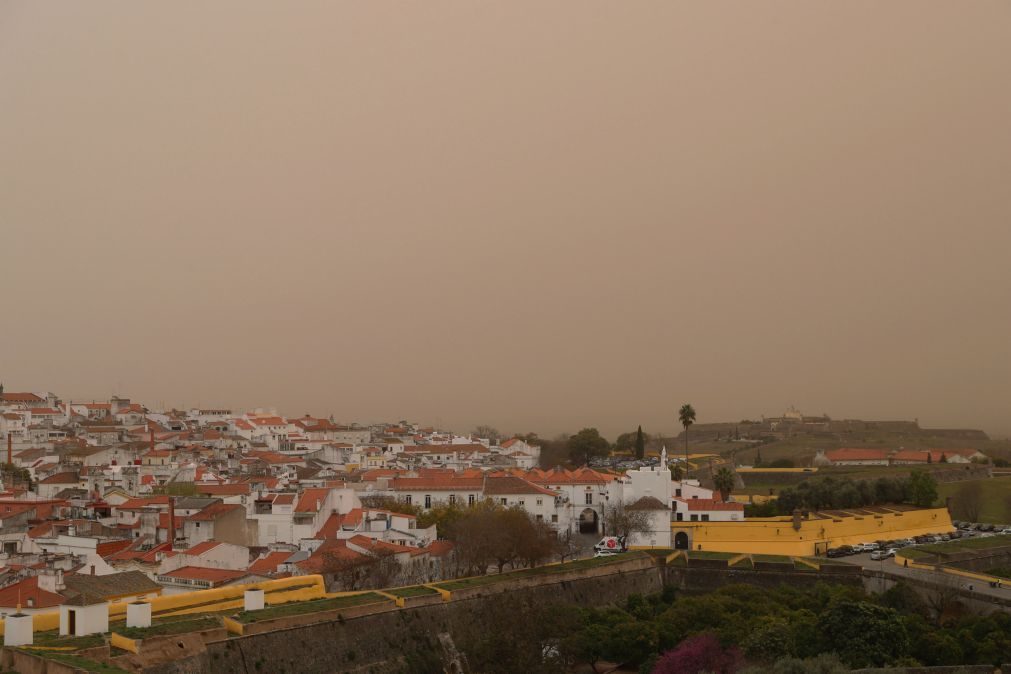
[(407, 639), (431, 636)]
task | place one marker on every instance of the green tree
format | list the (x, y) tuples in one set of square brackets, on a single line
[(640, 444), (922, 488), (628, 442), (724, 482), (863, 634), (686, 415), (586, 445), (769, 642)]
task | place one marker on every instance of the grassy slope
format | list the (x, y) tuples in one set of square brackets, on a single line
[(801, 448), (996, 497)]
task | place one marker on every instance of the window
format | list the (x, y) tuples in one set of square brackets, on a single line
[(540, 518), (452, 499), (503, 500), (470, 499), (695, 518), (705, 518), (680, 517), (554, 518), (589, 498), (407, 499), (540, 501), (677, 492), (521, 502)]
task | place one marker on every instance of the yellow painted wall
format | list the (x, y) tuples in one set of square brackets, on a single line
[(296, 588), (776, 535)]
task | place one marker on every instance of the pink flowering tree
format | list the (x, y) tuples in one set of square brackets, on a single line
[(700, 653)]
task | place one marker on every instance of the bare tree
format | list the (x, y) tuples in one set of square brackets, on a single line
[(487, 432), (538, 544), (942, 595), (967, 503), (377, 568), (566, 545), (622, 521)]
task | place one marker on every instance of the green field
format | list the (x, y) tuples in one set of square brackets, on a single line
[(165, 627), (996, 499), (961, 545), (315, 606), (779, 559), (702, 554), (477, 581), (414, 591)]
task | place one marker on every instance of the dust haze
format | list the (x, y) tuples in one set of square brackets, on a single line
[(538, 216)]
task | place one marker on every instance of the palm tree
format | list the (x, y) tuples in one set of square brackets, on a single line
[(724, 482), (687, 418)]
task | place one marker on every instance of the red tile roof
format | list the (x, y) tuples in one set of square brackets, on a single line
[(61, 478), (373, 545), (138, 503), (336, 522), (200, 548), (856, 454), (496, 486), (311, 500), (268, 564), (214, 511), (27, 589), (109, 548), (440, 548), (935, 454), (13, 397), (330, 551)]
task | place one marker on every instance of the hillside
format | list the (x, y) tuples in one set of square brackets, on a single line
[(798, 442)]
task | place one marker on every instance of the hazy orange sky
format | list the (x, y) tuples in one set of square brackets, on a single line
[(540, 216)]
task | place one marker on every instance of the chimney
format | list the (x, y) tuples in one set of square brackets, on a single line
[(171, 518), (10, 457), (92, 569)]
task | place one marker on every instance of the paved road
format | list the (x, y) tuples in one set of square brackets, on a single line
[(889, 567)]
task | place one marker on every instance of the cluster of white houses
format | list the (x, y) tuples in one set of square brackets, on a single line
[(258, 495)]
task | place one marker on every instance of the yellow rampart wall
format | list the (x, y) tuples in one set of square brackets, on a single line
[(296, 588), (777, 536)]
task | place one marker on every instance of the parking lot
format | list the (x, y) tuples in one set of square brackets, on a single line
[(963, 530)]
